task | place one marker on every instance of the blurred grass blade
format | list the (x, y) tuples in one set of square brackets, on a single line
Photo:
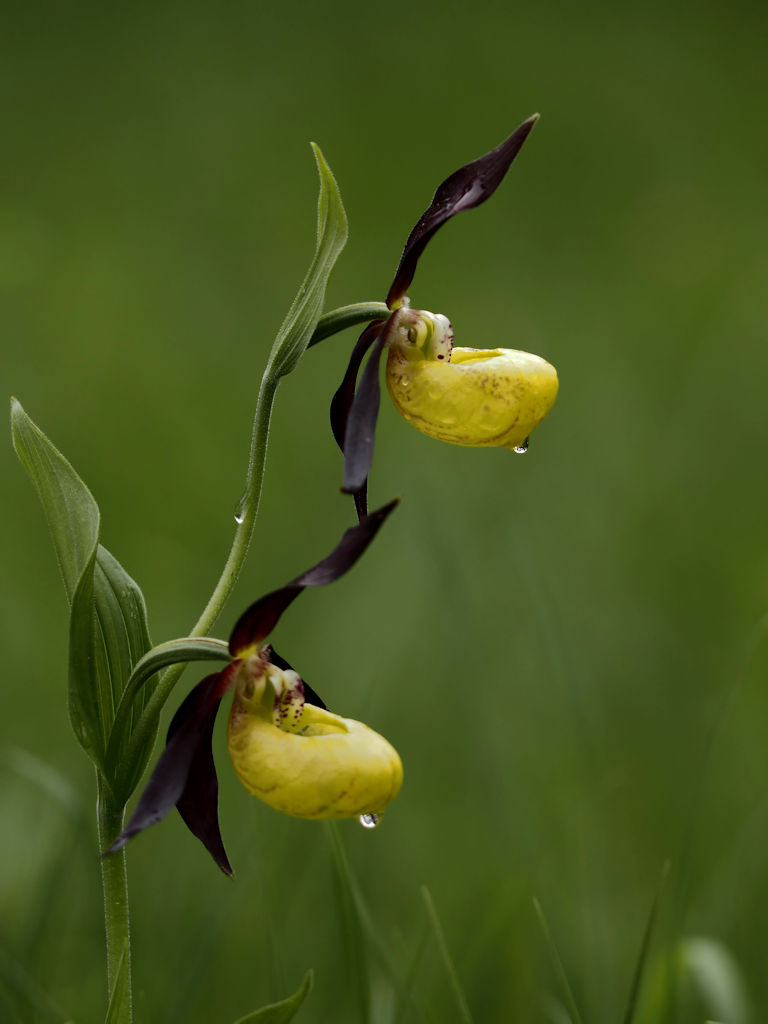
[(284, 1011), (645, 946), (442, 945), (716, 977), (25, 996), (558, 964), (108, 619), (407, 998), (117, 1009), (70, 823), (354, 939), (371, 934), (299, 325), (47, 780)]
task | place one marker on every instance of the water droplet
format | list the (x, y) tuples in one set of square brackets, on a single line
[(369, 820), (522, 448), (240, 511)]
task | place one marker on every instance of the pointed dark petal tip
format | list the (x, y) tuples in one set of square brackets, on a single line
[(116, 847), (468, 187), (382, 512)]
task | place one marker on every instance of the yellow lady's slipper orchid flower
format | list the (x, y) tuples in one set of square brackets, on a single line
[(286, 747), (301, 759), (476, 397)]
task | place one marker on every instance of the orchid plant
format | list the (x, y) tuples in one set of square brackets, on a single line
[(287, 748)]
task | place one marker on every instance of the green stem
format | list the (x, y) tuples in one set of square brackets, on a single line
[(329, 324), (114, 882), (245, 517), (247, 509)]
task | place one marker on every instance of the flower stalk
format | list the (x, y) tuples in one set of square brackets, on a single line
[(247, 510), (114, 883)]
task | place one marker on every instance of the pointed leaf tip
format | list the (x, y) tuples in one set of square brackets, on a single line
[(302, 318), (285, 1010), (466, 188)]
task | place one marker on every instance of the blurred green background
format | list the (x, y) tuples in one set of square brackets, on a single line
[(567, 648)]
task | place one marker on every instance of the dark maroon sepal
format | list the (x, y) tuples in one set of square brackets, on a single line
[(269, 654), (185, 772), (361, 500), (258, 621), (361, 423), (342, 400), (470, 186), (198, 804)]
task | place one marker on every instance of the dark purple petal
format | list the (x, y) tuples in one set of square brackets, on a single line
[(269, 654), (361, 499), (189, 734), (361, 423), (470, 186), (257, 622), (342, 400), (198, 805)]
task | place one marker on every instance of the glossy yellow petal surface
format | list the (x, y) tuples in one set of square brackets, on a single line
[(313, 764), (478, 397)]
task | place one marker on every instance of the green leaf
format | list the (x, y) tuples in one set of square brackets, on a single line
[(130, 743), (299, 325), (108, 619), (120, 991), (282, 1012), (71, 511), (108, 635)]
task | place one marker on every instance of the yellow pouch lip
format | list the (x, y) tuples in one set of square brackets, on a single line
[(478, 398), (332, 767)]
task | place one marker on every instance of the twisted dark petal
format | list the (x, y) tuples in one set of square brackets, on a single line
[(183, 772), (361, 423), (256, 623), (342, 400), (470, 186), (270, 654)]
